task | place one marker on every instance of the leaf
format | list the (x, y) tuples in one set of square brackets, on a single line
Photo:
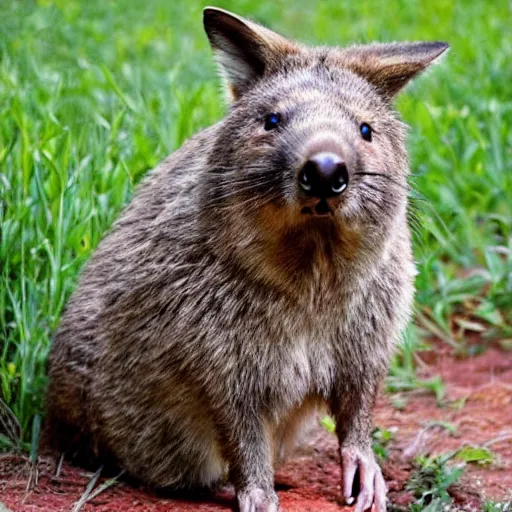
[(470, 326), (11, 369), (383, 435), (329, 424), (436, 505), (379, 451), (477, 454), (36, 428), (487, 311)]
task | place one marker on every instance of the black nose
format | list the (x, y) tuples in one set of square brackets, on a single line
[(324, 175)]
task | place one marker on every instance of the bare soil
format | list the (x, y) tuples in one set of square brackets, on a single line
[(477, 403)]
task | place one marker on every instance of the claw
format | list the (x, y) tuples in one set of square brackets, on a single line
[(362, 480), (349, 468), (380, 492)]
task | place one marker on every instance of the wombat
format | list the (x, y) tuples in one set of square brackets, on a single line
[(261, 271)]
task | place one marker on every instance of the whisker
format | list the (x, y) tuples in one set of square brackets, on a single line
[(248, 167), (254, 190), (382, 199), (247, 180), (249, 205), (373, 187), (250, 187), (374, 202), (385, 176)]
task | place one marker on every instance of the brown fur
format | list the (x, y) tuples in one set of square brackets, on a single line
[(216, 313)]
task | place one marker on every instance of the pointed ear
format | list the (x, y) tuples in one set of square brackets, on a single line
[(244, 50), (389, 67)]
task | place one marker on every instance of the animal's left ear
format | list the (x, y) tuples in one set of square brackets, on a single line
[(389, 67)]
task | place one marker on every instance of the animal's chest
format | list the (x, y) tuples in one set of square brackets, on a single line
[(303, 348), (303, 365)]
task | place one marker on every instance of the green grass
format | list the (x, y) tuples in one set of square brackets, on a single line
[(94, 93), (430, 482), (491, 506), (434, 477)]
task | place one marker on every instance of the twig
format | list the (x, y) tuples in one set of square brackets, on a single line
[(89, 494), (59, 467), (411, 451), (504, 436), (33, 478), (105, 485), (86, 494)]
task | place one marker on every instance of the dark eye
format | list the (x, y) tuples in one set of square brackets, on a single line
[(366, 132), (272, 121)]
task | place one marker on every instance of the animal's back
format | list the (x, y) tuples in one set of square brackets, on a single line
[(156, 230)]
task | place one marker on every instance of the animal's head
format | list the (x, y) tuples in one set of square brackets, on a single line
[(311, 137)]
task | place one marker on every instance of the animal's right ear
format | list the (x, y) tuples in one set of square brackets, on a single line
[(244, 50)]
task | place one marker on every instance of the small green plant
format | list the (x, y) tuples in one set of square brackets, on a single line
[(430, 481), (436, 505), (381, 438), (402, 376), (494, 506), (400, 380)]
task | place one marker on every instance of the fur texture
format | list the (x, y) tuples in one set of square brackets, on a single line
[(220, 311)]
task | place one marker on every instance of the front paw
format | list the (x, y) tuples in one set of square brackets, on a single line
[(372, 488), (255, 499)]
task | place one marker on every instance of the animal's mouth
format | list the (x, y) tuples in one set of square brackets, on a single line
[(320, 209)]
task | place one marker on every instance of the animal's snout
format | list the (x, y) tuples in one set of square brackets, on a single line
[(323, 175)]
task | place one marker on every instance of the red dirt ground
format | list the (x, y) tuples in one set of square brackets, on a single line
[(478, 402)]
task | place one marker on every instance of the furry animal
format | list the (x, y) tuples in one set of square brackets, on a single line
[(262, 270)]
